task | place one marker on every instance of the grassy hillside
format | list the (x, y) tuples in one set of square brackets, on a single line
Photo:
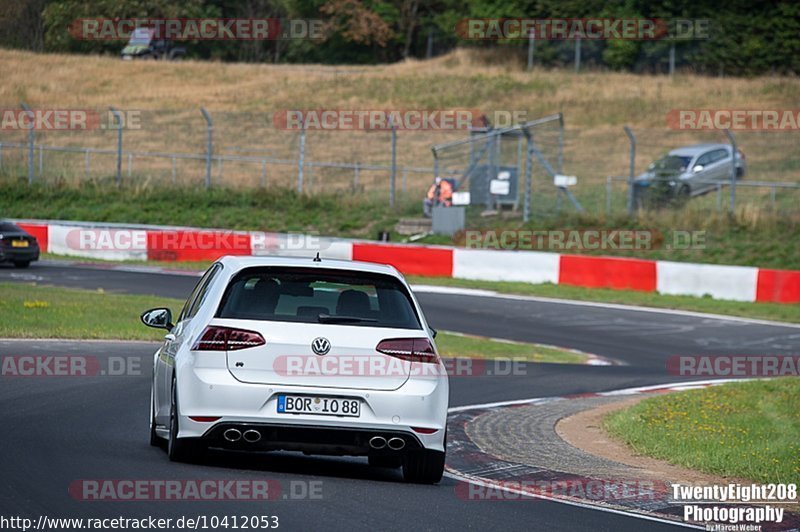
[(241, 98)]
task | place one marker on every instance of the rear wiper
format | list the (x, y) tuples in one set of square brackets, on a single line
[(325, 318)]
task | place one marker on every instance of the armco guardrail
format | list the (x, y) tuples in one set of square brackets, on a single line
[(143, 242)]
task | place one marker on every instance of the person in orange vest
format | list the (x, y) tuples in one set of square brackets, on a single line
[(440, 193)]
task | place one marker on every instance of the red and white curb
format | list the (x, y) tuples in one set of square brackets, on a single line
[(146, 242)]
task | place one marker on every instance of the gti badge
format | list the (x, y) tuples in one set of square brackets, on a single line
[(321, 346)]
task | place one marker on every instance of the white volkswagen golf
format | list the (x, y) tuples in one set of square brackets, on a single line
[(320, 356)]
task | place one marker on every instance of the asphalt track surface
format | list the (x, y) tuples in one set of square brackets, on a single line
[(60, 430)]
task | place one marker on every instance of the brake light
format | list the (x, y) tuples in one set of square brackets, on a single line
[(410, 349), (227, 339), (424, 430), (204, 419)]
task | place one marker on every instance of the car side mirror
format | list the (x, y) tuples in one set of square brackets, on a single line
[(158, 318), (434, 332), (697, 168)]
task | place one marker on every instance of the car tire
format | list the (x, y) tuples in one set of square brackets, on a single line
[(684, 192), (22, 263), (423, 467), (180, 449), (385, 460)]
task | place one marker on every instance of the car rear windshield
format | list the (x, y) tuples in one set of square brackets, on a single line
[(8, 227), (319, 296)]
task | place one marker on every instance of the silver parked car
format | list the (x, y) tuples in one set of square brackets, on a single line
[(691, 170)]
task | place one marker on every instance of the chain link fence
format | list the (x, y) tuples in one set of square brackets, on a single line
[(245, 149)]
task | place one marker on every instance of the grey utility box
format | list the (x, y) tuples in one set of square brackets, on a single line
[(448, 220)]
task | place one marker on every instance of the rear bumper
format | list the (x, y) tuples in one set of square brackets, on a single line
[(307, 438), (9, 254), (420, 402)]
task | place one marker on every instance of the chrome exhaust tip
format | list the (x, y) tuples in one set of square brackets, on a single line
[(377, 442), (251, 436), (396, 444), (232, 435)]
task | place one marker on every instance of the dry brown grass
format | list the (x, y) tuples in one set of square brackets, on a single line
[(241, 96)]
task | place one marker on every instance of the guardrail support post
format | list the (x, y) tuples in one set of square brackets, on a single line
[(631, 169), (209, 144)]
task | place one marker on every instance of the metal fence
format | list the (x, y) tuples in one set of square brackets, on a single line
[(510, 166), (187, 147), (235, 149)]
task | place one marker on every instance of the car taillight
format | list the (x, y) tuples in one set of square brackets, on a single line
[(227, 339), (411, 349)]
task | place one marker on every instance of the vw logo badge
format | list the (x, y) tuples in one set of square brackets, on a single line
[(321, 346)]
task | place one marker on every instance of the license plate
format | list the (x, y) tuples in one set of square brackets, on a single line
[(19, 243), (326, 406)]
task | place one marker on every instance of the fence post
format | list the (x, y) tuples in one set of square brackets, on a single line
[(672, 59), (732, 140), (118, 117), (526, 202), (301, 157), (560, 160), (130, 164), (41, 159), (87, 163), (31, 140), (1, 155), (393, 175), (772, 197), (492, 172), (263, 173), (631, 169), (608, 195), (531, 47), (209, 144), (356, 177), (577, 54)]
